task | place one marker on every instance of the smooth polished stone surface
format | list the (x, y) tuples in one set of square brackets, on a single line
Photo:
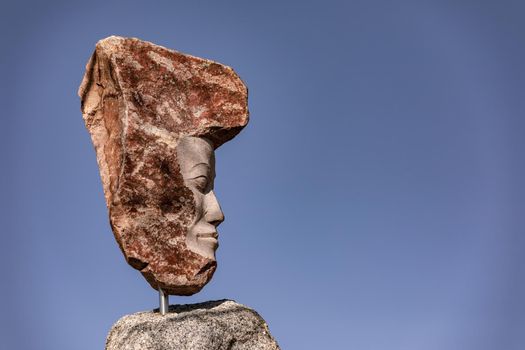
[(214, 325), (155, 117)]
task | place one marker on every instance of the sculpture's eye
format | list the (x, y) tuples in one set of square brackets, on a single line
[(201, 183)]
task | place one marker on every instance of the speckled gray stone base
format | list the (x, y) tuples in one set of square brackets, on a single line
[(213, 325)]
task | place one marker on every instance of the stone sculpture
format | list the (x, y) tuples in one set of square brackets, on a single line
[(155, 117)]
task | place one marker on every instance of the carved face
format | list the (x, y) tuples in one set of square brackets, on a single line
[(140, 102), (173, 242), (197, 166)]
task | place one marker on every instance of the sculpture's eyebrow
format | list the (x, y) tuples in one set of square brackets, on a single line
[(209, 170), (196, 165)]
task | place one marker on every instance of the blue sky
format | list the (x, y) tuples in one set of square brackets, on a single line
[(375, 201)]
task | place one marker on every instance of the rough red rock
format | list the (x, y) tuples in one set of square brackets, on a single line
[(139, 100)]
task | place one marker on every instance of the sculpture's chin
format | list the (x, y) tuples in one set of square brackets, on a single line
[(188, 282), (204, 247)]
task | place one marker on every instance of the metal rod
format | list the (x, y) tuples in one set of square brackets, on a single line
[(164, 302)]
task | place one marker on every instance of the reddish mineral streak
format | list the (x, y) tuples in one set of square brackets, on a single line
[(138, 100)]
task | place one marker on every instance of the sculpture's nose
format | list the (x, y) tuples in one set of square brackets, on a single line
[(214, 214)]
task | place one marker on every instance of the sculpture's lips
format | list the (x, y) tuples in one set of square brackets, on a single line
[(208, 236), (210, 240)]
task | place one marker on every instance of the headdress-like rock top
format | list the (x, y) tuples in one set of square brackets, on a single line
[(155, 117)]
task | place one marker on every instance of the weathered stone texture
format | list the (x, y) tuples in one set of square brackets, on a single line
[(138, 101), (214, 325)]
